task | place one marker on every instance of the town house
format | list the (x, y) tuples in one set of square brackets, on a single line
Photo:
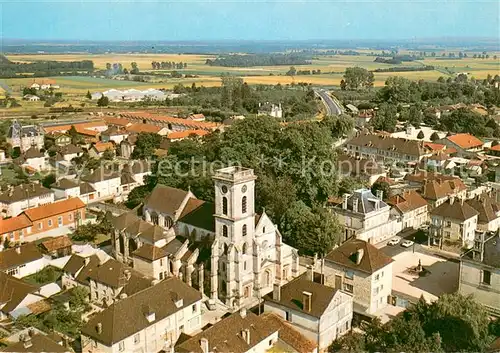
[(466, 145), (106, 183), (386, 148), (480, 271), (362, 270), (319, 312), (17, 199), (411, 208), (365, 216), (156, 316), (22, 261), (488, 219), (454, 221)]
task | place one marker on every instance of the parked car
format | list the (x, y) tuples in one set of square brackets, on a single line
[(406, 243), (394, 241)]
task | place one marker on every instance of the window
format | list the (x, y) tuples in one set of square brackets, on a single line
[(348, 287), (40, 226), (263, 229), (244, 266), (137, 338), (59, 221), (244, 248), (270, 343), (194, 308), (244, 204), (49, 222), (447, 235), (244, 230), (486, 277), (288, 316), (448, 223), (377, 277), (161, 275), (121, 346), (224, 205), (349, 274), (224, 230), (161, 262)]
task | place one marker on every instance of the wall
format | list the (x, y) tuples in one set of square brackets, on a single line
[(470, 283), (28, 268), (16, 208), (152, 268)]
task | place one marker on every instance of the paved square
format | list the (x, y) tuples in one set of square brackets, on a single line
[(443, 277)]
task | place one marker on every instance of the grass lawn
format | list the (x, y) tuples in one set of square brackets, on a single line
[(48, 275)]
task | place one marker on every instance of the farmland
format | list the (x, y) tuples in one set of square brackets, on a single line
[(332, 68)]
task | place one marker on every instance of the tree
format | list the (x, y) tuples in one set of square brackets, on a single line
[(109, 154), (420, 135), (49, 180), (434, 136), (135, 68), (382, 186), (356, 78), (103, 101), (385, 118), (292, 71), (145, 145), (88, 95), (453, 323)]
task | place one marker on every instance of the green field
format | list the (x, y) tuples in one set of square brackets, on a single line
[(332, 68)]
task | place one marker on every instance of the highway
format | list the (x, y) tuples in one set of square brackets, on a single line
[(332, 107)]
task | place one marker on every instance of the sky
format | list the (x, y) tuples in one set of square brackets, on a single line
[(247, 20)]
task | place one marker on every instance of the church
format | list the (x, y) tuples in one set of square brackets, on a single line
[(225, 249)]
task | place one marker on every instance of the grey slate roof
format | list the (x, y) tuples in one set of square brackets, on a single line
[(366, 201), (128, 316)]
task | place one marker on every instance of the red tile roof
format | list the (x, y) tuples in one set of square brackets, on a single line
[(103, 146), (186, 133), (54, 209), (465, 140), (57, 243), (15, 223), (82, 125), (143, 128), (116, 121), (170, 120), (434, 146), (408, 201)]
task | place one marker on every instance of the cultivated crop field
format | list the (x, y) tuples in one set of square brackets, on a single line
[(332, 68)]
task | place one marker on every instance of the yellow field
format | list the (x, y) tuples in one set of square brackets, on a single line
[(331, 66), (142, 60)]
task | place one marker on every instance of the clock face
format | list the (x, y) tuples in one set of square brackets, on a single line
[(224, 189), (244, 188)]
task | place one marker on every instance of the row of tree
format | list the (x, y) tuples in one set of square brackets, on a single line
[(10, 69), (237, 60), (168, 65)]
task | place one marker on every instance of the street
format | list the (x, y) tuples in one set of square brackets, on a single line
[(332, 107)]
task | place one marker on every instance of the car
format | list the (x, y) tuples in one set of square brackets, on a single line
[(394, 241), (406, 243)]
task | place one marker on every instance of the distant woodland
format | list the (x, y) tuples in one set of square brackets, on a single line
[(9, 69), (238, 60)]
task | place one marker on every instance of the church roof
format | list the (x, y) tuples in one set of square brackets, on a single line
[(165, 199), (150, 252), (201, 217)]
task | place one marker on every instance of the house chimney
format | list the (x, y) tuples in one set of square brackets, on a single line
[(277, 292), (310, 273), (18, 249), (359, 256), (31, 332), (26, 339), (452, 200), (462, 201), (355, 205), (123, 295), (204, 345), (243, 313), (245, 334), (86, 260), (128, 274), (306, 301), (98, 328), (344, 201)]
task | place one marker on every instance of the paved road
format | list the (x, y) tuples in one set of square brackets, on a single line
[(332, 107)]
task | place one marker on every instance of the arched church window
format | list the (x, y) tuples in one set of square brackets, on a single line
[(168, 222), (244, 204), (224, 230), (154, 218), (225, 249), (244, 230), (224, 205), (244, 249)]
